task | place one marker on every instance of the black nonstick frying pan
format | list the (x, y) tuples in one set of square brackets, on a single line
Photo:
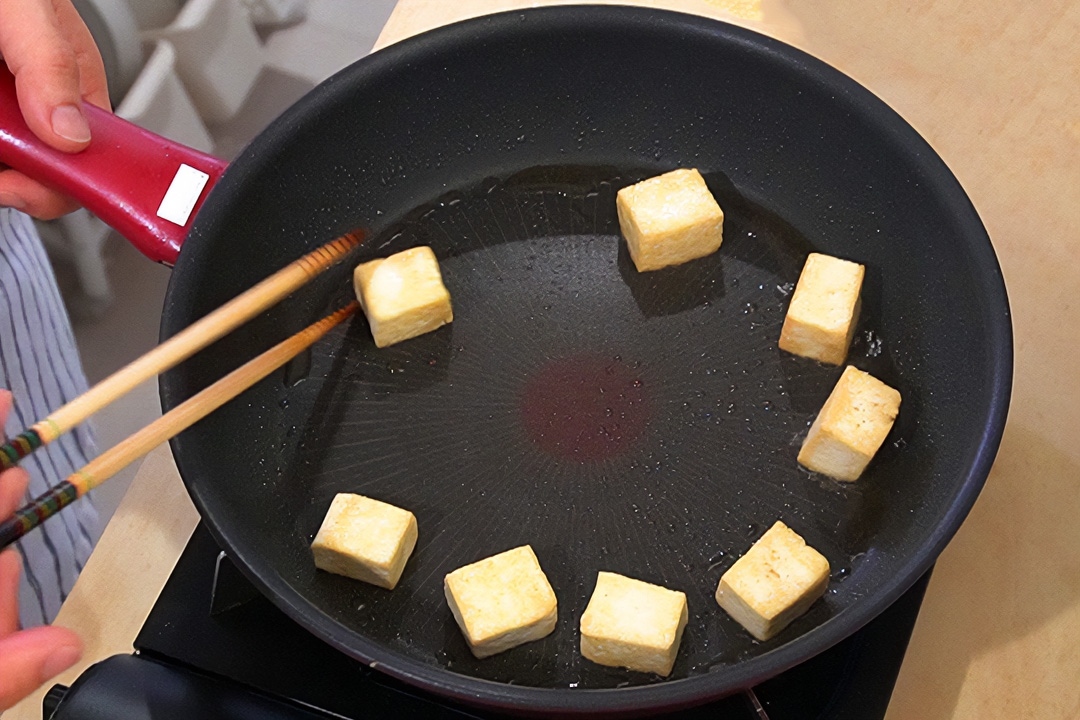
[(645, 424)]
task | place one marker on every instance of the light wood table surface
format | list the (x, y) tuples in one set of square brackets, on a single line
[(995, 88)]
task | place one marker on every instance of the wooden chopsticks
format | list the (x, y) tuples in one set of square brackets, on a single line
[(178, 348), (175, 421)]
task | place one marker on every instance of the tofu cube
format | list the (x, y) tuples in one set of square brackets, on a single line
[(365, 539), (669, 219), (502, 601), (851, 426), (403, 295), (633, 624), (776, 581), (824, 310)]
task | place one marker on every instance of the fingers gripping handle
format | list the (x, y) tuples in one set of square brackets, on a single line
[(146, 187)]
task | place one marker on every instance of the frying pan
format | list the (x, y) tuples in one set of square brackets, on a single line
[(642, 423)]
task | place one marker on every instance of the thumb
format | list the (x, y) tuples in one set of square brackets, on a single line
[(46, 71), (30, 658)]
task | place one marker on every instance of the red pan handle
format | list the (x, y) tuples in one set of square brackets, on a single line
[(146, 187)]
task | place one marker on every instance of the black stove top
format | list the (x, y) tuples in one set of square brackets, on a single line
[(212, 642)]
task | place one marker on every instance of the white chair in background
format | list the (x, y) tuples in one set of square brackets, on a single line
[(154, 14), (269, 14), (159, 102), (218, 55), (79, 238)]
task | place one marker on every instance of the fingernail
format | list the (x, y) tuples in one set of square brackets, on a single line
[(60, 660), (12, 200), (69, 123)]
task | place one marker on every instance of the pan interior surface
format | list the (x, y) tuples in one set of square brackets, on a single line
[(641, 423), (644, 424)]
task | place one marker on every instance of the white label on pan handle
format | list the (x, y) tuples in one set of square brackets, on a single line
[(182, 195)]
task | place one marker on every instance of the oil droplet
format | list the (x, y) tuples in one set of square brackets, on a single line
[(873, 344)]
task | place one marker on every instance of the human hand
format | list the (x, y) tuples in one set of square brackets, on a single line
[(56, 66), (30, 657)]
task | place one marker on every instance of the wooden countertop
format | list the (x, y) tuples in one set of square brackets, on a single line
[(995, 88)]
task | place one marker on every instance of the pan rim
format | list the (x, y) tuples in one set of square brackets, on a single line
[(698, 689)]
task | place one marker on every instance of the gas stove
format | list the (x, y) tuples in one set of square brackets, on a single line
[(214, 647)]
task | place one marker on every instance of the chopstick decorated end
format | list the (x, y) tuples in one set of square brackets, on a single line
[(40, 509), (26, 442), (171, 423)]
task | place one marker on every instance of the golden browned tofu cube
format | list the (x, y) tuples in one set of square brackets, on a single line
[(824, 310), (669, 219), (633, 624), (403, 295), (776, 581), (851, 426), (365, 539), (502, 601)]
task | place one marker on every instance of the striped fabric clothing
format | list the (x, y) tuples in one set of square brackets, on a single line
[(39, 364)]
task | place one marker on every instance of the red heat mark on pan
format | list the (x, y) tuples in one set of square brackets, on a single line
[(586, 408)]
